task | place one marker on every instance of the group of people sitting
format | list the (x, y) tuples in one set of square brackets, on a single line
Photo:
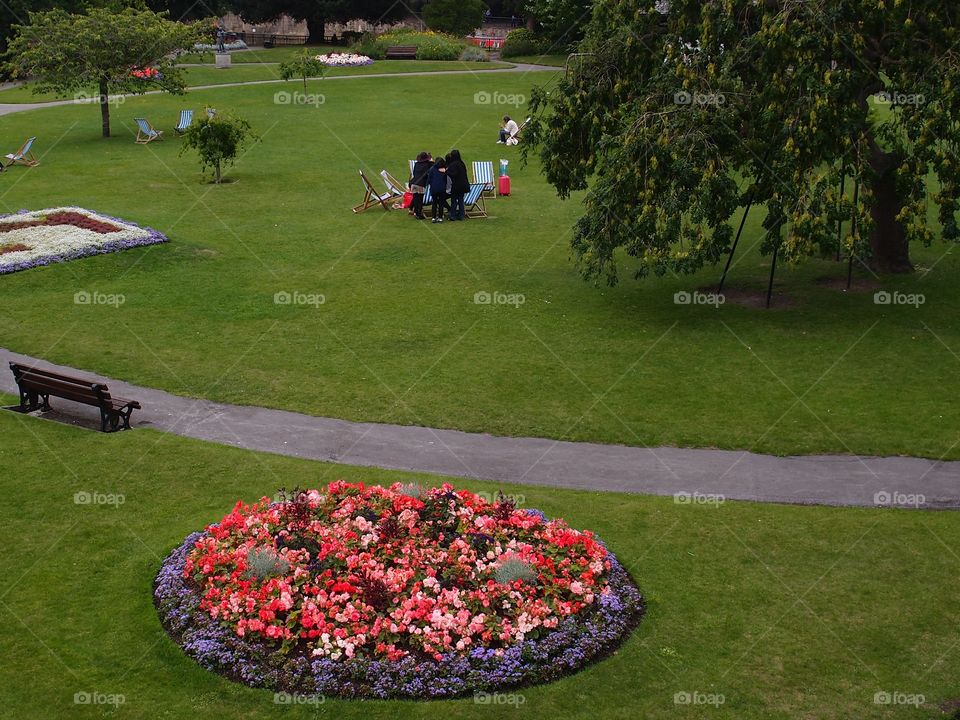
[(447, 179)]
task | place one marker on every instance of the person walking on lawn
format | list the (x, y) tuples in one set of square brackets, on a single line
[(418, 182), (438, 189), (459, 184)]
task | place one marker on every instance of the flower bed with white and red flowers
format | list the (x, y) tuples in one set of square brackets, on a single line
[(32, 238), (344, 60), (368, 591)]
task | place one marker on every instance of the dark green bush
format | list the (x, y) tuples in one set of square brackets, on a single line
[(521, 42)]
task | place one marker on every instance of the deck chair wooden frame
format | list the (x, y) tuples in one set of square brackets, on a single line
[(146, 133), (372, 197), (393, 185), (23, 156), (473, 202)]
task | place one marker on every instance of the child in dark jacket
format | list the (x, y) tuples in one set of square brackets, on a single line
[(438, 189), (418, 182)]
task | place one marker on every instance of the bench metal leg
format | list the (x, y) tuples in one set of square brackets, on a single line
[(115, 420)]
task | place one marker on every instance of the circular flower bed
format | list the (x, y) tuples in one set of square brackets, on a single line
[(366, 591), (344, 60)]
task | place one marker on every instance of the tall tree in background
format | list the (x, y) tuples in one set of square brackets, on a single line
[(317, 13), (562, 21), (684, 111), (457, 17), (67, 53)]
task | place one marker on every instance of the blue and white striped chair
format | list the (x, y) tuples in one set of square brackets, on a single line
[(146, 132), (483, 174), (186, 120), (23, 156), (473, 202)]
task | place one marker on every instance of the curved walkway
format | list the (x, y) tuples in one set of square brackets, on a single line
[(696, 474), (10, 108)]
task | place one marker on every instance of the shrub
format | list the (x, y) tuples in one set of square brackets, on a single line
[(521, 42), (263, 563), (514, 569), (218, 139), (304, 65), (474, 54), (430, 45)]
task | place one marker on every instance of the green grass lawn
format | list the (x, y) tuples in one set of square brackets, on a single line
[(556, 60), (255, 72), (787, 612), (400, 338)]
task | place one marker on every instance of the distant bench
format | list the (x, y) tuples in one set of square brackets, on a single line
[(36, 387), (402, 52)]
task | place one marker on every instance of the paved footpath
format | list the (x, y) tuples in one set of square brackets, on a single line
[(10, 108), (815, 479)]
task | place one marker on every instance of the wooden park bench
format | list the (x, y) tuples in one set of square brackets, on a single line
[(402, 52), (36, 387)]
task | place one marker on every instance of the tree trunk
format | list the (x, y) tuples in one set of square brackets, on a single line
[(891, 251), (104, 108), (316, 27)]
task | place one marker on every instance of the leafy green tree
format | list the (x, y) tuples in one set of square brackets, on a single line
[(303, 65), (457, 17), (562, 21), (684, 111), (218, 139), (66, 53)]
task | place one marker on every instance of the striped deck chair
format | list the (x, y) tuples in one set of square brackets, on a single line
[(23, 156), (473, 202), (483, 174), (394, 186), (411, 163), (372, 197), (186, 120), (146, 132)]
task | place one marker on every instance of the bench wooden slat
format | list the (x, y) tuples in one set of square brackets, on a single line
[(37, 384), (401, 51)]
